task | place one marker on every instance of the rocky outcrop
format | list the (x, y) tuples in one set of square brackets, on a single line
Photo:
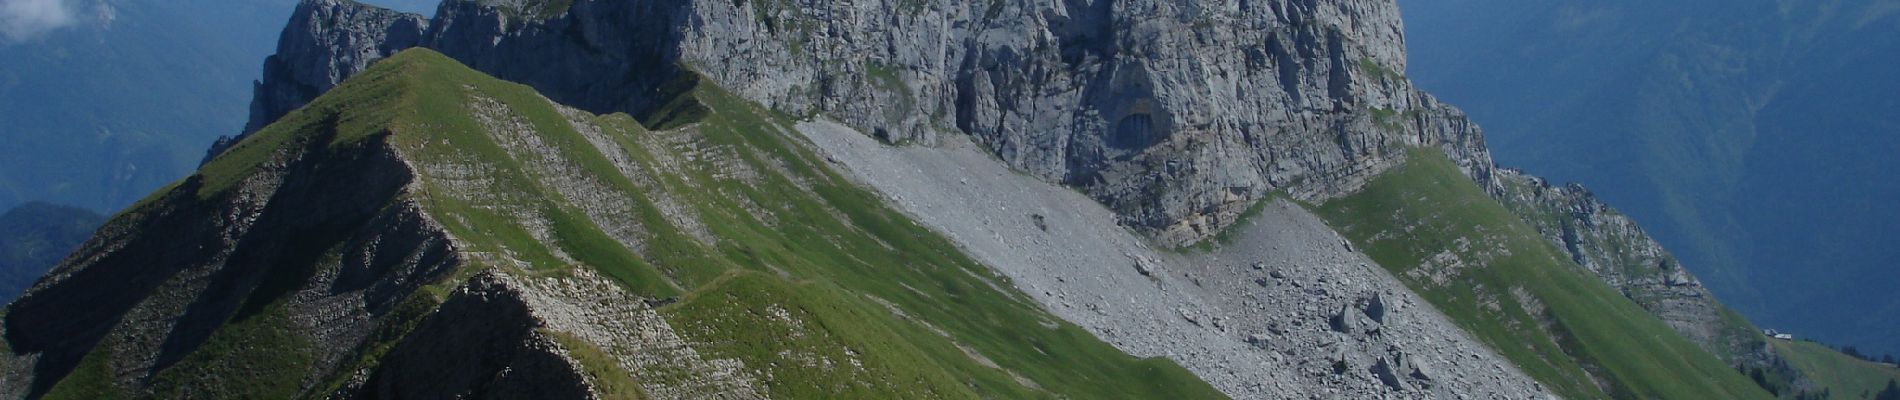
[(482, 343), (494, 338), (1612, 246), (325, 42), (1176, 114), (333, 40)]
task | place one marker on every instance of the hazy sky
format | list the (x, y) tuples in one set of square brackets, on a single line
[(26, 19)]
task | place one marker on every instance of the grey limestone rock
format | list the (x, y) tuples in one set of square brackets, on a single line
[(1389, 374), (325, 42), (1375, 308), (1217, 312), (1146, 266), (481, 343)]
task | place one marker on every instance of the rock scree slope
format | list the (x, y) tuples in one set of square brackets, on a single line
[(1287, 311)]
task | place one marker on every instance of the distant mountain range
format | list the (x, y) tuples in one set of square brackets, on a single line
[(1755, 138), (33, 237)]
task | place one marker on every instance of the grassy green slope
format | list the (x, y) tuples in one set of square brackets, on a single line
[(803, 272), (1501, 281), (1630, 256), (832, 232), (1843, 376)]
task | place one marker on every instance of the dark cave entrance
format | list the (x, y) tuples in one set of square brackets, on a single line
[(1135, 131)]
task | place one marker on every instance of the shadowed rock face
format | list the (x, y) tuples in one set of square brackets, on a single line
[(1175, 114), (481, 343)]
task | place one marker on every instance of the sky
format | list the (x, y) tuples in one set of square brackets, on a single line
[(22, 20), (26, 20)]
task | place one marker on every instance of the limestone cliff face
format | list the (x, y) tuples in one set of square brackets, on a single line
[(1176, 114), (332, 41)]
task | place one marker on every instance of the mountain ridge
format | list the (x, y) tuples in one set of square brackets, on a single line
[(1188, 160), (1371, 138), (1741, 134), (671, 206), (417, 213)]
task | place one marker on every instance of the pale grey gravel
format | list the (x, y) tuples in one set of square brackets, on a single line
[(1255, 318)]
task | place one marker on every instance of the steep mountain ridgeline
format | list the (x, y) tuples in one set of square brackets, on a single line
[(1503, 282), (1746, 135), (1177, 115), (423, 230), (385, 200), (236, 244), (1612, 246)]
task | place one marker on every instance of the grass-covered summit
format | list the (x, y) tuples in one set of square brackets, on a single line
[(424, 230)]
